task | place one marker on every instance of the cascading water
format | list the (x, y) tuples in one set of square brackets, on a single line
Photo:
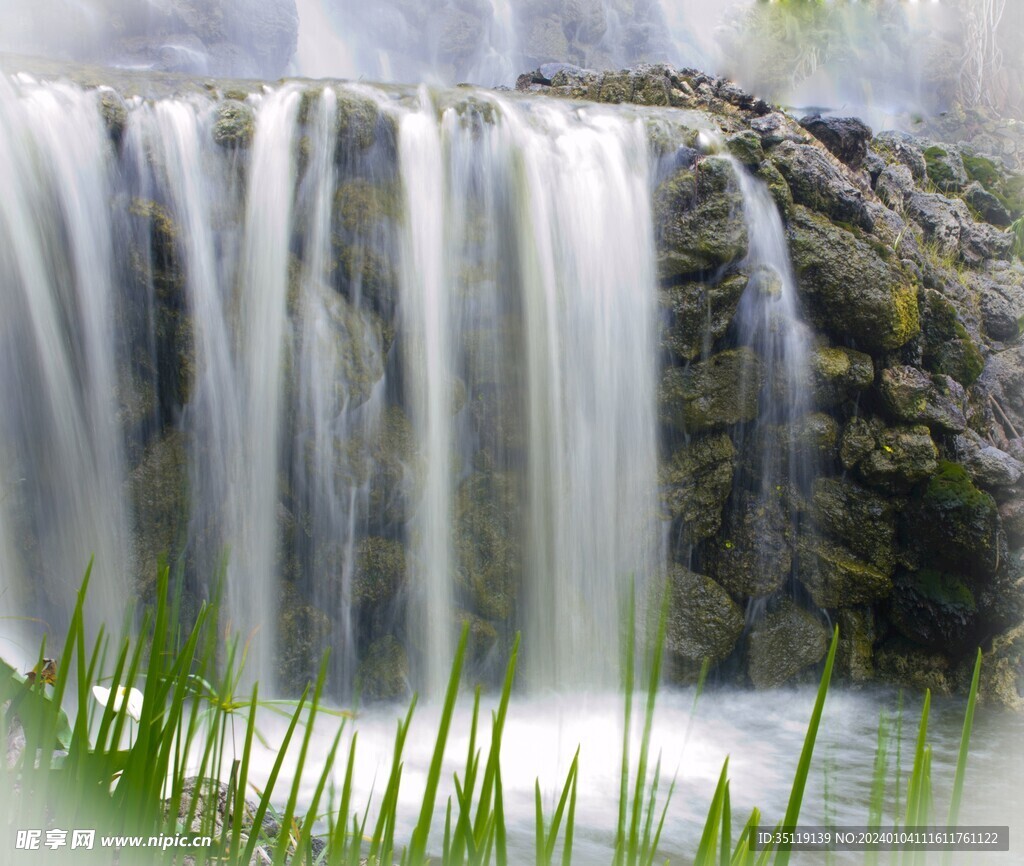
[(778, 472), (300, 416), (60, 440)]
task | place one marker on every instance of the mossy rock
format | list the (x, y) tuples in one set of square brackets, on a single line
[(954, 525), (379, 571), (855, 653), (704, 623), (383, 673), (893, 459), (235, 125), (903, 663), (363, 206), (917, 397), (752, 555), (820, 185), (838, 374), (787, 641), (746, 147), (862, 520), (159, 490), (360, 123), (719, 392), (488, 509), (695, 483), (836, 578), (946, 345), (483, 636), (303, 631), (115, 114), (698, 220), (777, 186), (814, 438), (700, 314), (945, 168), (850, 290), (935, 609)]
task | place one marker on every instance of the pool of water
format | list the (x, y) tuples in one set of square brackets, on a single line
[(761, 732)]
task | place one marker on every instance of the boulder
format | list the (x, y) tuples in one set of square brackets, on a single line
[(916, 397), (895, 185), (851, 290), (235, 124), (700, 314), (774, 129), (855, 653), (892, 459), (787, 641), (986, 205), (945, 167), (379, 571), (752, 556), (835, 577), (703, 621), (861, 519), (383, 673), (719, 392), (698, 219), (488, 512), (846, 137), (987, 465), (903, 663), (818, 184), (947, 346), (934, 609), (899, 148), (940, 218), (838, 374), (695, 483)]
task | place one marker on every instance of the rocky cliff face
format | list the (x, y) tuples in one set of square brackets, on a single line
[(910, 538)]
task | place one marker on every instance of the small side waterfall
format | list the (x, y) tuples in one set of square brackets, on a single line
[(769, 320)]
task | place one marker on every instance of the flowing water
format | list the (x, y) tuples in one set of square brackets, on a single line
[(199, 354), (761, 734)]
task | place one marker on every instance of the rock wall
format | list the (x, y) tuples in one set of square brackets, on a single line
[(910, 538)]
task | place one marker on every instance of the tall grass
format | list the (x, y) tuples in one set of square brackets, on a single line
[(125, 778)]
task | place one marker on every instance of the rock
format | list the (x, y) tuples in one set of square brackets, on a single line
[(813, 437), (716, 393), (945, 168), (1001, 682), (903, 663), (836, 578), (784, 643), (946, 345), (236, 124), (986, 205), (700, 314), (746, 147), (838, 374), (987, 465), (115, 114), (775, 128), (1001, 298), (698, 219), (545, 41), (901, 149), (895, 185), (953, 526), (159, 486), (1011, 514), (361, 124), (695, 483), (302, 633), (934, 609), (850, 289), (819, 185), (777, 186), (891, 459), (855, 653), (703, 621), (379, 571), (384, 671), (488, 512), (751, 556), (846, 137), (981, 243), (941, 219), (915, 397), (862, 520)]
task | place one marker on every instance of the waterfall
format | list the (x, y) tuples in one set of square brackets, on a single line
[(392, 361), (61, 445), (769, 320)]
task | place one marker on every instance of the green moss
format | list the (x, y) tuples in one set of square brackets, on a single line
[(384, 671), (944, 589), (235, 125), (951, 488), (380, 570)]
